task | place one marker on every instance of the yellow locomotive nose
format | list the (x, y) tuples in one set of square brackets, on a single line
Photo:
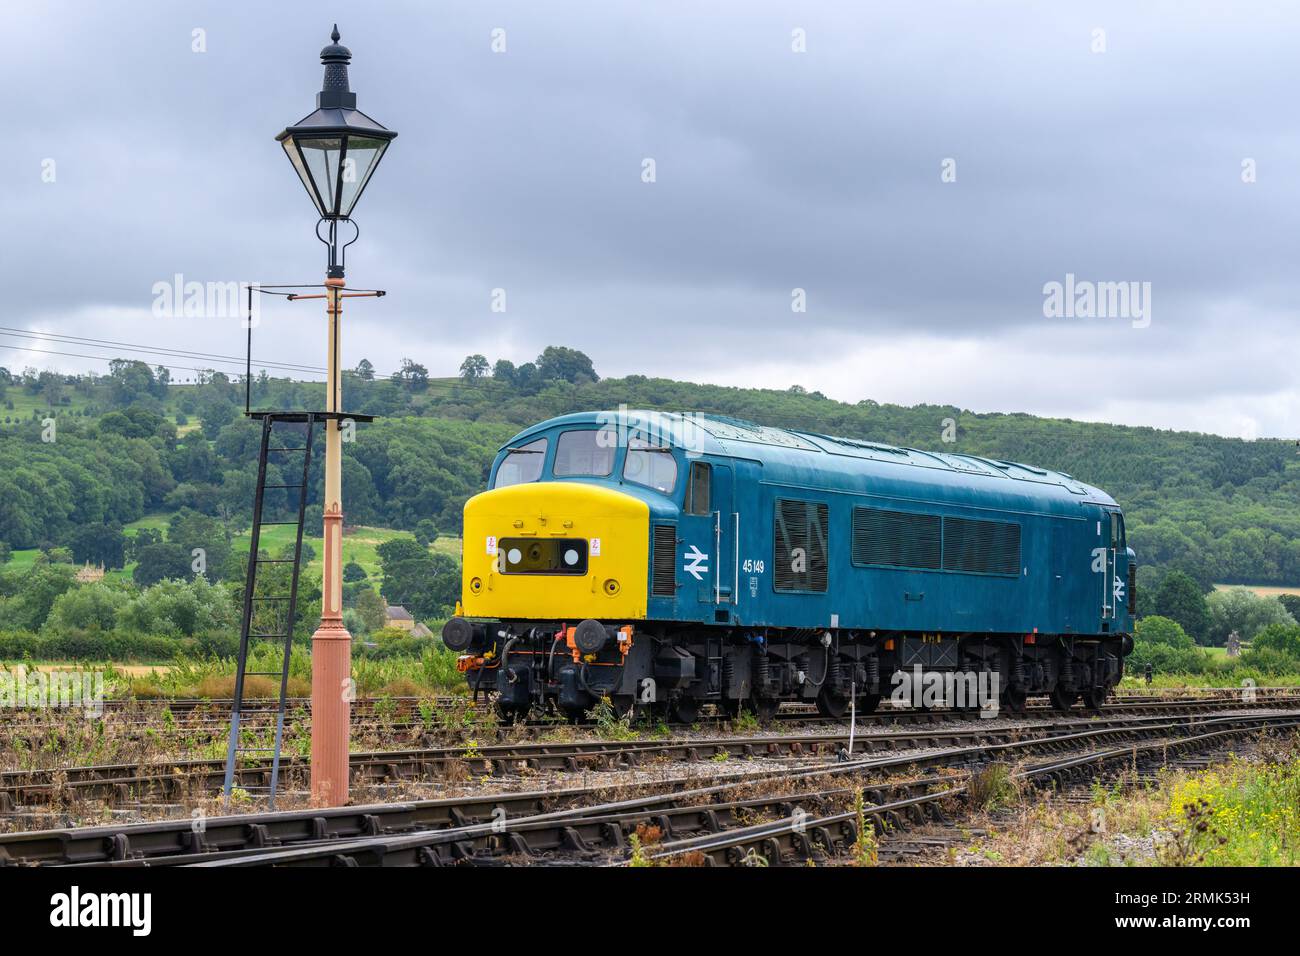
[(555, 550)]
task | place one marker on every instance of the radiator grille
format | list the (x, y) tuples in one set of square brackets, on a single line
[(799, 546), (664, 579), (981, 547), (896, 539)]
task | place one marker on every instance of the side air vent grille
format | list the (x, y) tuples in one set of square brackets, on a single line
[(897, 539), (1132, 587), (981, 547), (664, 579), (799, 547)]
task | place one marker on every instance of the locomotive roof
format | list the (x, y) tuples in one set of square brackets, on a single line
[(788, 454)]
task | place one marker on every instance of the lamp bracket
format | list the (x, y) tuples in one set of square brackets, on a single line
[(337, 252)]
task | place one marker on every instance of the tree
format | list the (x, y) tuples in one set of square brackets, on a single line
[(526, 378), (91, 607), (365, 371), (32, 594), (216, 413), (371, 609), (6, 552), (1243, 611), (193, 531), (426, 582), (161, 562), (473, 368), (1289, 601), (426, 532), (98, 544), (428, 586), (136, 422), (402, 547), (129, 381), (1284, 638), (181, 609), (1166, 647), (1181, 599), (504, 372), (353, 572), (1162, 630), (142, 538), (413, 374), (557, 362)]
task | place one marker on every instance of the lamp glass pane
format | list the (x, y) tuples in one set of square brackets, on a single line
[(361, 159), (295, 158), (322, 158)]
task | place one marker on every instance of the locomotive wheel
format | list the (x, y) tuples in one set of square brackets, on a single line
[(831, 705), (764, 708), (1014, 699), (1064, 699), (624, 705), (509, 713), (729, 707), (867, 703), (683, 709), (1094, 697), (574, 715)]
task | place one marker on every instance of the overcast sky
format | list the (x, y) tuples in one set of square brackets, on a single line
[(774, 170)]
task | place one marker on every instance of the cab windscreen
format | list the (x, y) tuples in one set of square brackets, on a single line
[(535, 556)]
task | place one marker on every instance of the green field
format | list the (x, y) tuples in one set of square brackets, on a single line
[(359, 545), (25, 404)]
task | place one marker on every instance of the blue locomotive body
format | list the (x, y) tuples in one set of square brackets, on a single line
[(780, 561)]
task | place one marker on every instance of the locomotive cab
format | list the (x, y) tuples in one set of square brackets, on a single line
[(556, 566)]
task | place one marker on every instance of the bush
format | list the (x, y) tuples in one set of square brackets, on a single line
[(1167, 660), (1243, 611), (1280, 638), (1161, 630), (79, 645), (1269, 661), (90, 607)]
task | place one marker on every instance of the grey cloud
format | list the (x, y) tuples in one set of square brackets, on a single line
[(775, 170)]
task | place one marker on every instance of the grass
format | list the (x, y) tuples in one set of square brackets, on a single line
[(1228, 677), (1241, 812), (432, 673), (25, 404), (359, 545)]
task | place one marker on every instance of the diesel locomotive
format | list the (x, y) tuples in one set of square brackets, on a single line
[(656, 562)]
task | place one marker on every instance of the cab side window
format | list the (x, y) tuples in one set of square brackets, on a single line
[(522, 464), (697, 489)]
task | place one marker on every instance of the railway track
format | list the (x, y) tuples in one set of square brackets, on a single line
[(150, 709), (173, 781), (577, 823), (404, 714)]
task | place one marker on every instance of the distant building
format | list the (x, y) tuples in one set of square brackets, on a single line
[(397, 616), (421, 630), (89, 575)]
